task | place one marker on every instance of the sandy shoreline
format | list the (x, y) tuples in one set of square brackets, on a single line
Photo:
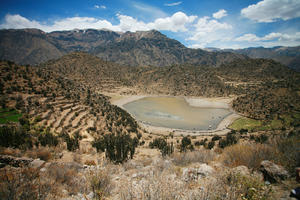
[(192, 101)]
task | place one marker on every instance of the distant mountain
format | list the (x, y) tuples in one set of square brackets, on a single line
[(142, 48), (289, 56)]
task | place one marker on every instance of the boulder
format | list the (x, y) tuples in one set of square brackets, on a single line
[(202, 171), (272, 172), (37, 163), (242, 170)]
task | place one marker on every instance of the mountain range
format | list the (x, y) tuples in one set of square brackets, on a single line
[(289, 56), (142, 48)]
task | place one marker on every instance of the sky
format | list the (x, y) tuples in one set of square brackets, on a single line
[(195, 23)]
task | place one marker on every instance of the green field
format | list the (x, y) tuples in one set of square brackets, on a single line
[(7, 115), (245, 123), (284, 121)]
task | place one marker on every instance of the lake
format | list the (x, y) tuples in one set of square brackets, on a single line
[(175, 113)]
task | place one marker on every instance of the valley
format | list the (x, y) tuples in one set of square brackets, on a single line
[(76, 125)]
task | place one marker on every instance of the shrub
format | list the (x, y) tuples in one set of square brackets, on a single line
[(247, 187), (22, 183), (186, 144), (118, 147), (14, 136), (202, 156), (162, 145), (101, 184), (211, 144), (48, 138), (248, 154), (287, 151), (72, 143), (215, 138), (230, 139)]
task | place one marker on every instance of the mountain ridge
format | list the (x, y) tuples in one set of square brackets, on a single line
[(142, 48)]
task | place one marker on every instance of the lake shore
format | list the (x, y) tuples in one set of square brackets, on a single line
[(192, 101)]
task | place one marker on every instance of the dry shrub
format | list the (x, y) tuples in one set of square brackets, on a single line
[(237, 186), (288, 151), (203, 156), (23, 183), (90, 162), (248, 154), (67, 174), (100, 182), (43, 153), (10, 152)]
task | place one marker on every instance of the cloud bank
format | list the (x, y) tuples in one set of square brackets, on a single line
[(272, 10)]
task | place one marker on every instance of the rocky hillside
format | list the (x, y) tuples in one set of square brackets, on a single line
[(289, 56), (60, 104), (32, 46)]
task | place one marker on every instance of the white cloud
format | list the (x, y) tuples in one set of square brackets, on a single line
[(270, 37), (176, 23), (220, 14), (272, 10), (173, 4), (209, 30), (249, 37), (97, 6), (17, 22)]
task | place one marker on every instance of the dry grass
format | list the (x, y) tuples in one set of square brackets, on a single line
[(90, 162), (248, 154), (68, 176), (203, 156), (43, 153), (10, 152), (100, 182)]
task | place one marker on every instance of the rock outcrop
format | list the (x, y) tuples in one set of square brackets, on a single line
[(272, 172)]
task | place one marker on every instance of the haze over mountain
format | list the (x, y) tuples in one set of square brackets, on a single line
[(33, 46)]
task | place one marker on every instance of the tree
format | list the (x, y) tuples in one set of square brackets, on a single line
[(186, 143)]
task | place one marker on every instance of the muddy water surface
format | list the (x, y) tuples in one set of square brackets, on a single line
[(176, 113)]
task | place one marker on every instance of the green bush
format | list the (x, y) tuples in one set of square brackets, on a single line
[(162, 145), (117, 147), (186, 144), (231, 138), (48, 138), (14, 136)]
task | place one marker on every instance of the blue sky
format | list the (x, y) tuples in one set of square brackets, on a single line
[(195, 23)]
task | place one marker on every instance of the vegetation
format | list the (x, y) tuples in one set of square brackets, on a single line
[(118, 147), (162, 144), (9, 115), (230, 139), (186, 144)]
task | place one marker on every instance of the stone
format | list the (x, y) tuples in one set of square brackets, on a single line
[(202, 171), (272, 172), (242, 170), (205, 170), (37, 163)]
